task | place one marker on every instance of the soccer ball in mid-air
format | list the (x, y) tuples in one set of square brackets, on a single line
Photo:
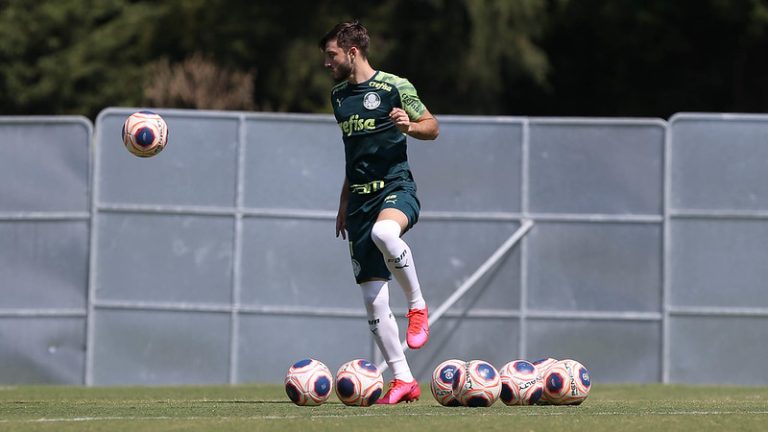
[(442, 382), (359, 383), (145, 133), (567, 382), (520, 383), (476, 384), (308, 382)]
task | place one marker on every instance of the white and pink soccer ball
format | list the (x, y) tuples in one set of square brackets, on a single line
[(566, 382), (520, 383), (543, 365), (359, 383), (145, 134), (476, 384), (442, 382), (308, 382)]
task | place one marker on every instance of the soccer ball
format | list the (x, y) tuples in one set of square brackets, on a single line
[(543, 365), (359, 383), (145, 133), (476, 384), (567, 382), (520, 383), (442, 382), (308, 382)]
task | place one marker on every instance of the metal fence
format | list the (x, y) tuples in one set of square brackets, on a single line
[(632, 245)]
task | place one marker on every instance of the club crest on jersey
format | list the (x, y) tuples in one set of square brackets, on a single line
[(371, 100)]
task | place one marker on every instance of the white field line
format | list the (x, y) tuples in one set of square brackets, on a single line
[(380, 414)]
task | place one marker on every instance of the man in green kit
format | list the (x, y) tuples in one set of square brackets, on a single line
[(376, 111)]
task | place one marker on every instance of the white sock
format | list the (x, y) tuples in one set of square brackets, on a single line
[(397, 254), (384, 328)]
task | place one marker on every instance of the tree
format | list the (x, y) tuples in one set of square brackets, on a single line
[(197, 82), (525, 57), (72, 56), (656, 57)]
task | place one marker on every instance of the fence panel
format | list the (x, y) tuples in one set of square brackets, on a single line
[(717, 232), (216, 262), (45, 204)]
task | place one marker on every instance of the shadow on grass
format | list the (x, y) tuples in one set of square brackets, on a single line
[(265, 402)]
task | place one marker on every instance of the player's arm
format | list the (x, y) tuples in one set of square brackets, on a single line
[(425, 127), (411, 116), (341, 216)]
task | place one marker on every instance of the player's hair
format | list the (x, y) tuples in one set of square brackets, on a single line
[(348, 34)]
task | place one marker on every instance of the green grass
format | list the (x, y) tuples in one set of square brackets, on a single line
[(266, 407)]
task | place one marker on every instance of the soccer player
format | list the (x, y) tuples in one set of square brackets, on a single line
[(376, 111)]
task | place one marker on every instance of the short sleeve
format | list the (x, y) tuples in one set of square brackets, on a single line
[(409, 100)]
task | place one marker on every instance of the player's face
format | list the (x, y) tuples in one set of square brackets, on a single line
[(338, 61)]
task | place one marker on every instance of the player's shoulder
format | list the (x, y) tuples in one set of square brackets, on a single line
[(402, 84)]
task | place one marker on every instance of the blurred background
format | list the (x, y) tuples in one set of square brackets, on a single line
[(490, 57)]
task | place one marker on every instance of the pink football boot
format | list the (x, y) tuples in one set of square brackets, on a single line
[(418, 328), (401, 391)]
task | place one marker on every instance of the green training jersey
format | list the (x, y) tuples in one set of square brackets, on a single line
[(374, 148)]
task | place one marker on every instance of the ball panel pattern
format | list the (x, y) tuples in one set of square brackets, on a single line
[(144, 134), (521, 384), (308, 382), (359, 383), (567, 382), (442, 382), (477, 383)]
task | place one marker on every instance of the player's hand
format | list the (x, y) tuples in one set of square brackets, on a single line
[(341, 224), (400, 118)]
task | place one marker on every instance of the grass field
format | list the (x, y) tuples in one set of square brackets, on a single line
[(266, 408)]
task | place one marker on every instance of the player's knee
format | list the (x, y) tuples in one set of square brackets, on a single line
[(384, 233), (375, 301), (375, 295), (379, 235)]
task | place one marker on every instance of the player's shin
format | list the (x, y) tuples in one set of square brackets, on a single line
[(399, 260), (384, 328), (386, 335)]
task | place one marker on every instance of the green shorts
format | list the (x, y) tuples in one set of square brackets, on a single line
[(363, 210)]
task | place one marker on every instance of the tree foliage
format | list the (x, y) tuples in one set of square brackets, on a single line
[(498, 57), (657, 57)]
